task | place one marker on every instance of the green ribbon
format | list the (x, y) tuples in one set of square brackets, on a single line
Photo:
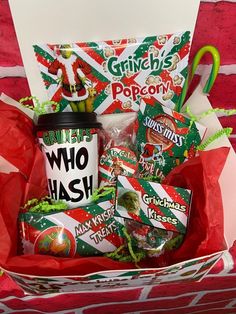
[(214, 137), (194, 118), (152, 179), (103, 191), (39, 108), (45, 205), (218, 134), (134, 257)]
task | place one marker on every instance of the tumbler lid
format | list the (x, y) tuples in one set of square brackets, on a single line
[(68, 120)]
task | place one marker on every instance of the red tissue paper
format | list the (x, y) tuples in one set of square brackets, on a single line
[(17, 145)]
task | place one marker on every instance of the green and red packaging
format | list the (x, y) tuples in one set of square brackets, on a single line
[(150, 203), (117, 160), (85, 231), (165, 139), (112, 76)]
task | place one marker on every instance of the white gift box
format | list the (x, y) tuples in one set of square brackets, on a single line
[(76, 20)]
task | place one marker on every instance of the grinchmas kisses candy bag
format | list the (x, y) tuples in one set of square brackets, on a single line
[(152, 241), (156, 215)]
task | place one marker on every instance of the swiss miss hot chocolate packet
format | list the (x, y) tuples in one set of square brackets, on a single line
[(111, 76), (165, 139)]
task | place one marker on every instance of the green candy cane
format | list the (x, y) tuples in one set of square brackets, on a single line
[(214, 71)]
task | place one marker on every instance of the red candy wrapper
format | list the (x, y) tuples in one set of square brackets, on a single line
[(86, 231), (119, 154)]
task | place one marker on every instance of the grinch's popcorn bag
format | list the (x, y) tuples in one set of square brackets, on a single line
[(112, 76)]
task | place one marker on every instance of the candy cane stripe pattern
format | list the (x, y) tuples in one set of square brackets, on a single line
[(86, 231), (112, 76), (153, 204)]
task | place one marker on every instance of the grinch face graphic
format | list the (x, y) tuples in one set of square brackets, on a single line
[(117, 168), (130, 201), (55, 241), (72, 72), (65, 51)]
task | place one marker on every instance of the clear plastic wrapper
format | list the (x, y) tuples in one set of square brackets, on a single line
[(119, 153)]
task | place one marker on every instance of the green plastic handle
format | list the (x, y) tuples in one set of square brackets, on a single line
[(183, 95), (215, 67), (214, 71)]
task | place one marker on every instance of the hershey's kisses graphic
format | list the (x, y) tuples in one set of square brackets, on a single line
[(165, 139)]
